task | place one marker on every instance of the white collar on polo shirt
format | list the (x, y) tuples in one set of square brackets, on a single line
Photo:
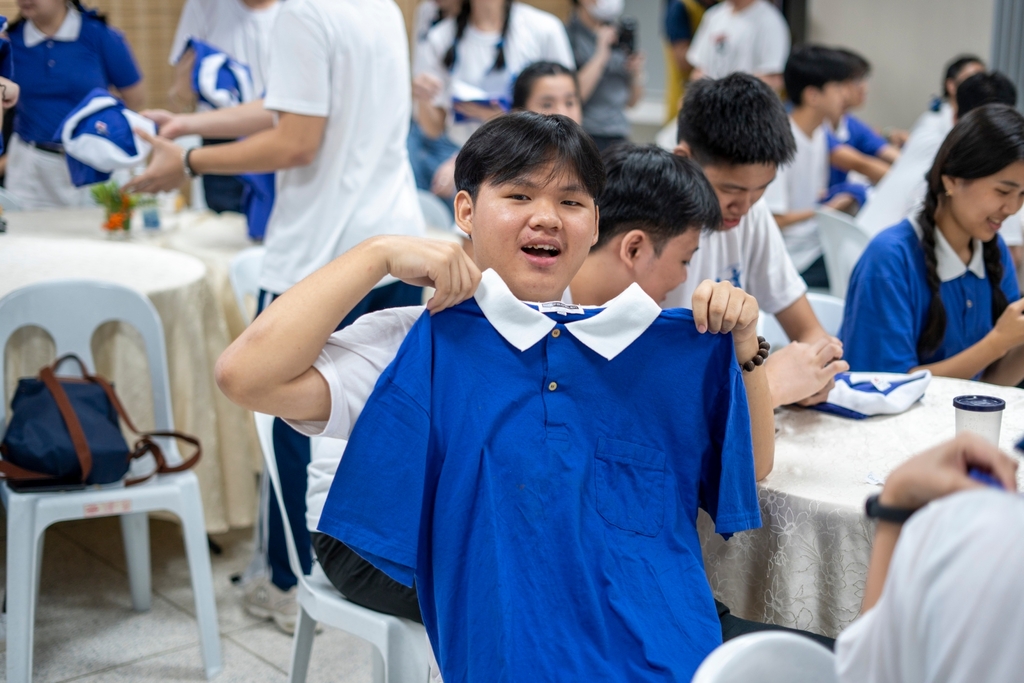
[(950, 265), (68, 31), (608, 333)]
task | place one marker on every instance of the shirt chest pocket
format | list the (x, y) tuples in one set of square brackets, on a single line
[(629, 485)]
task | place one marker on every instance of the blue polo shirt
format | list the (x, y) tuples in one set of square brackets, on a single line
[(858, 135), (56, 74), (541, 488), (888, 298)]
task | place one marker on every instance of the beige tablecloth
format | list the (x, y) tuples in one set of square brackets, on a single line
[(807, 565), (200, 317)]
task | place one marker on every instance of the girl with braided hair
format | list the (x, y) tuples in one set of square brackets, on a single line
[(464, 69), (939, 290)]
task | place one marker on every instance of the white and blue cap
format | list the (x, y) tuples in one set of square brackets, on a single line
[(98, 138), (219, 80), (859, 395)]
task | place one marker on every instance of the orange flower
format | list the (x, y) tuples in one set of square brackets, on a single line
[(115, 221)]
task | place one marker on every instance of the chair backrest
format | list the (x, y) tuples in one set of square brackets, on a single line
[(70, 311), (768, 327), (435, 213), (245, 277), (768, 657), (8, 201), (842, 243), (265, 431)]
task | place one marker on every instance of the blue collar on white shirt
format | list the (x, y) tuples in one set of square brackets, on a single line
[(68, 31), (950, 265), (608, 333)]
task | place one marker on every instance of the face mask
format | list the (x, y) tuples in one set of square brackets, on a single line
[(606, 11)]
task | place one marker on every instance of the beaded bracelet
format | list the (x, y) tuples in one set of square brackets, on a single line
[(763, 347)]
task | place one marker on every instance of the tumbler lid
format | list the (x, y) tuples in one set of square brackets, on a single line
[(979, 404)]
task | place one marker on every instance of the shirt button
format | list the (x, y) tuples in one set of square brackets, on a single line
[(552, 386), (555, 333), (51, 63), (970, 303), (49, 43)]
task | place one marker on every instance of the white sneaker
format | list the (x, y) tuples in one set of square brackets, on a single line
[(266, 601)]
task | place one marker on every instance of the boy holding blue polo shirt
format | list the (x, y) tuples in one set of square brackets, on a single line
[(500, 463)]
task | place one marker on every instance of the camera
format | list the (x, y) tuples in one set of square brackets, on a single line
[(627, 35)]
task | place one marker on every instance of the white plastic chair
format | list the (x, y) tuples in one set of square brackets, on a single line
[(842, 243), (245, 277), (400, 646), (8, 201), (435, 212), (70, 311), (768, 657), (827, 309)]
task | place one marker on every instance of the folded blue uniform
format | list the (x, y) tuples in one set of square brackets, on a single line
[(537, 473), (219, 80), (99, 138), (863, 394), (257, 201)]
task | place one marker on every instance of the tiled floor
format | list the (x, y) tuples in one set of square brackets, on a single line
[(86, 629)]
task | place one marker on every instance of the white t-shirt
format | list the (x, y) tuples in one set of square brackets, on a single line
[(800, 186), (752, 256), (903, 185), (754, 41), (533, 36), (351, 362), (348, 61), (423, 21), (950, 610), (230, 26)]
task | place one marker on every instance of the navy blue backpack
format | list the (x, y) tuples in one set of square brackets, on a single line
[(66, 432)]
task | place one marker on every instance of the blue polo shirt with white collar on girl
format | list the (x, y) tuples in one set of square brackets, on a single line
[(57, 72), (537, 475), (888, 298)]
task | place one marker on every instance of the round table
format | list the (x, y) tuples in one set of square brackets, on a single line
[(807, 565), (183, 269)]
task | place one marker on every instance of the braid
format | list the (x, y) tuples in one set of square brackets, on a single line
[(461, 21), (499, 61), (994, 273), (935, 324)]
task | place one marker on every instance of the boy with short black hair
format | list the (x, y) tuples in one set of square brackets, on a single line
[(737, 130), (499, 461), (815, 77)]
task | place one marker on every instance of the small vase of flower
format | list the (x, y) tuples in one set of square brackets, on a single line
[(118, 205)]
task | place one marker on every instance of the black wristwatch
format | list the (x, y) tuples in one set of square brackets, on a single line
[(875, 510)]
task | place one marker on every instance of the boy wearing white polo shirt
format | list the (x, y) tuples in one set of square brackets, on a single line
[(342, 117), (737, 130), (749, 36), (815, 78)]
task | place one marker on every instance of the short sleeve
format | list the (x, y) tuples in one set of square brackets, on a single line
[(771, 47), (677, 22), (118, 61), (879, 330), (1009, 284), (863, 137), (300, 64), (832, 140), (375, 502), (699, 53), (728, 488), (771, 277), (190, 24)]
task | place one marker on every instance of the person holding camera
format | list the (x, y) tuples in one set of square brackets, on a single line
[(610, 69)]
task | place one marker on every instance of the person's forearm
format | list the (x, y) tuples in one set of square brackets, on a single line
[(800, 323), (1008, 371), (886, 535), (679, 50), (430, 119), (969, 362), (847, 158), (591, 72), (262, 368), (793, 217), (263, 152), (636, 90), (234, 122), (888, 153), (762, 417)]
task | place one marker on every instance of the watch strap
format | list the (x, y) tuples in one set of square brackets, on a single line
[(875, 510)]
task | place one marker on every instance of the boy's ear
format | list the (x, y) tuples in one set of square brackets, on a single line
[(597, 224), (464, 212), (632, 246), (682, 149)]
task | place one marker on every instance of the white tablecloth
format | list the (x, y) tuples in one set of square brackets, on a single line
[(807, 565), (200, 317)]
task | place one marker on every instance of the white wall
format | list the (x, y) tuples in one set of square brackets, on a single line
[(908, 43)]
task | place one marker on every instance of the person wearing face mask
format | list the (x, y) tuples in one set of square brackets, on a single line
[(610, 76)]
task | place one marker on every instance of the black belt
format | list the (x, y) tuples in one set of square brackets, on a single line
[(49, 147)]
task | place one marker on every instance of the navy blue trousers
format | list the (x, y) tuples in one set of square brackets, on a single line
[(292, 450)]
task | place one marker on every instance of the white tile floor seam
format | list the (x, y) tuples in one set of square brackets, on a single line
[(87, 632)]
